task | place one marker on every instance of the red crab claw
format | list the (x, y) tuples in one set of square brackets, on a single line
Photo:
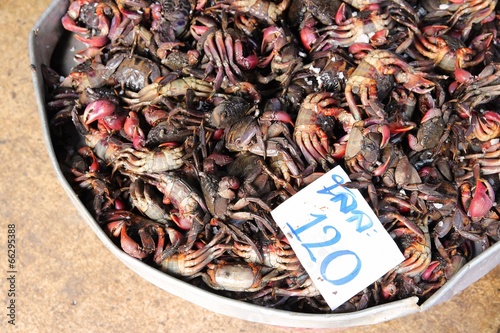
[(430, 114), (339, 148), (461, 76), (435, 30), (375, 125), (386, 135), (249, 62), (88, 53), (165, 47), (428, 171), (183, 223), (87, 152), (114, 122), (492, 116), (198, 30), (408, 223), (388, 287), (96, 41), (155, 11), (372, 7), (380, 37), (379, 171), (340, 16), (109, 117), (489, 18), (115, 228), (103, 25), (486, 126), (359, 50), (193, 57), (482, 200), (417, 83), (133, 130), (272, 38), (308, 35), (130, 246), (200, 4), (272, 41), (401, 126), (427, 275), (412, 141), (153, 115), (453, 86), (465, 194), (119, 204), (171, 144), (218, 134), (69, 24), (277, 116), (482, 42), (492, 145), (98, 110), (219, 159)]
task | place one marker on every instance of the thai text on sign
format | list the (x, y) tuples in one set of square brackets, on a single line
[(337, 237)]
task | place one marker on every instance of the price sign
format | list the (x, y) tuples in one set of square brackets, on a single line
[(337, 237)]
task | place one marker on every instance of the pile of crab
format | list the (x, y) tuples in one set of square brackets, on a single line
[(185, 123)]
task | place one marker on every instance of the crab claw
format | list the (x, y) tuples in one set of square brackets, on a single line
[(380, 37), (486, 125), (119, 204), (130, 246), (308, 35), (461, 76), (428, 273), (482, 42), (115, 228), (277, 116), (198, 30), (482, 200), (415, 82), (435, 30), (106, 113), (182, 222), (430, 114), (249, 62), (273, 40), (87, 152), (359, 50), (340, 16), (412, 141), (388, 287), (400, 126), (492, 116), (98, 110), (96, 41), (69, 24), (132, 129)]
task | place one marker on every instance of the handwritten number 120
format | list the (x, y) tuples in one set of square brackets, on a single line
[(318, 218)]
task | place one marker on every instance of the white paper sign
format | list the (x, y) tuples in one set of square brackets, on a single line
[(337, 237)]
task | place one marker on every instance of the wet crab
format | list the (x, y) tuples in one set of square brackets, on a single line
[(447, 52), (318, 114), (374, 77), (366, 139)]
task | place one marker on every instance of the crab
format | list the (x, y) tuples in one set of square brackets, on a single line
[(374, 78), (314, 125), (366, 139)]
